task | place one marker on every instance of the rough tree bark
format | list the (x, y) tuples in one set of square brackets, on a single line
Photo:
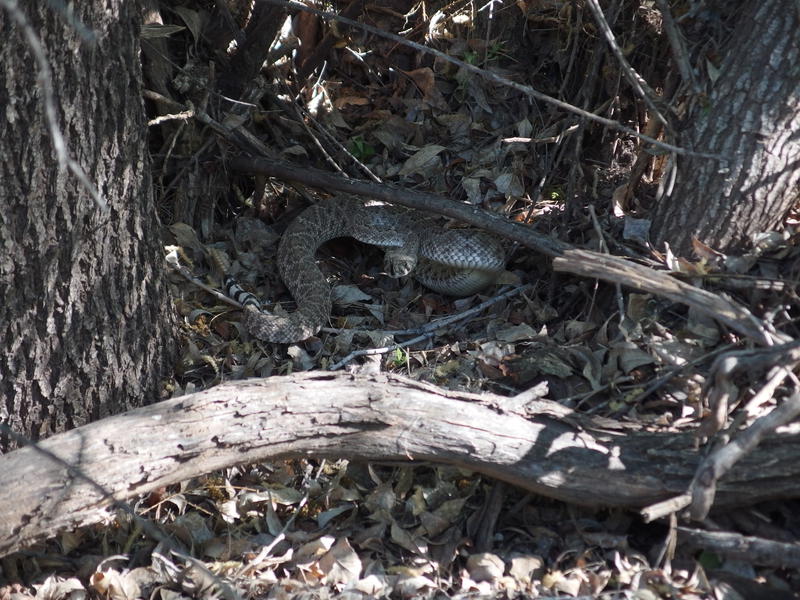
[(84, 313), (752, 117)]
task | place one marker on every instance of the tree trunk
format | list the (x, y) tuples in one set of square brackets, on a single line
[(84, 315), (751, 118)]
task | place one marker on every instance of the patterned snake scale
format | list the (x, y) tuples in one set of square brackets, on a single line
[(453, 262)]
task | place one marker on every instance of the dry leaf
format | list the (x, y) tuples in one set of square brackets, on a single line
[(423, 160), (485, 566), (341, 564)]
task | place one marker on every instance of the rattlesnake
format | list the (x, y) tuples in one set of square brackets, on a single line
[(453, 262)]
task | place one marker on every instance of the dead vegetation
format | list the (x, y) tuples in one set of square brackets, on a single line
[(346, 100)]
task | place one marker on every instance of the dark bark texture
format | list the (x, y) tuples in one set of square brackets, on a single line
[(84, 314), (752, 117)]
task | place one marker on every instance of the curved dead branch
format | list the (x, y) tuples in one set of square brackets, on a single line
[(539, 446)]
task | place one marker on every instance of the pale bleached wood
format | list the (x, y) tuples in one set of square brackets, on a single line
[(553, 452)]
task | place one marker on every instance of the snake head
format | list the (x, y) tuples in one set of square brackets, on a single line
[(398, 263)]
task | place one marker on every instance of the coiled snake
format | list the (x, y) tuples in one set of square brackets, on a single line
[(454, 262)]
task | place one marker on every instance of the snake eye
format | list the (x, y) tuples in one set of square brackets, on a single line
[(398, 265)]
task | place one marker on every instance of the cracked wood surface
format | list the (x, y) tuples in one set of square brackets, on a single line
[(551, 451)]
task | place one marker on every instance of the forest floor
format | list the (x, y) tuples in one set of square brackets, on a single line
[(382, 110)]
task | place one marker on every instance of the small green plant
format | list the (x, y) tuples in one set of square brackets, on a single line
[(496, 50), (361, 149), (709, 560), (555, 194), (471, 57), (399, 358)]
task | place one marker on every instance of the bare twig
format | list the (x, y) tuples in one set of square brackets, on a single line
[(367, 171), (429, 329), (186, 274), (181, 116), (382, 350), (612, 268), (665, 507), (749, 549), (323, 47), (604, 248), (495, 78), (661, 380), (566, 257), (636, 81), (450, 319), (718, 463), (679, 54), (725, 366)]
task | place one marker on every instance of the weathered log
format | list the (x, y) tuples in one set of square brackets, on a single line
[(539, 446)]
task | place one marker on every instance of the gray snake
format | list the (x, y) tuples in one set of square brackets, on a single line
[(456, 262)]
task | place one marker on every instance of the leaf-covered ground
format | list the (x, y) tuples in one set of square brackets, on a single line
[(374, 108)]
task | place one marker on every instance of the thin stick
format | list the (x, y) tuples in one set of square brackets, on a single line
[(677, 46), (432, 327), (704, 485), (184, 272), (637, 81), (494, 78)]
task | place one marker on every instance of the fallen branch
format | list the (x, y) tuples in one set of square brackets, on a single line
[(544, 448), (566, 258), (761, 551)]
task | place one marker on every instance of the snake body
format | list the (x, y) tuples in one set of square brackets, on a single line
[(453, 262)]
